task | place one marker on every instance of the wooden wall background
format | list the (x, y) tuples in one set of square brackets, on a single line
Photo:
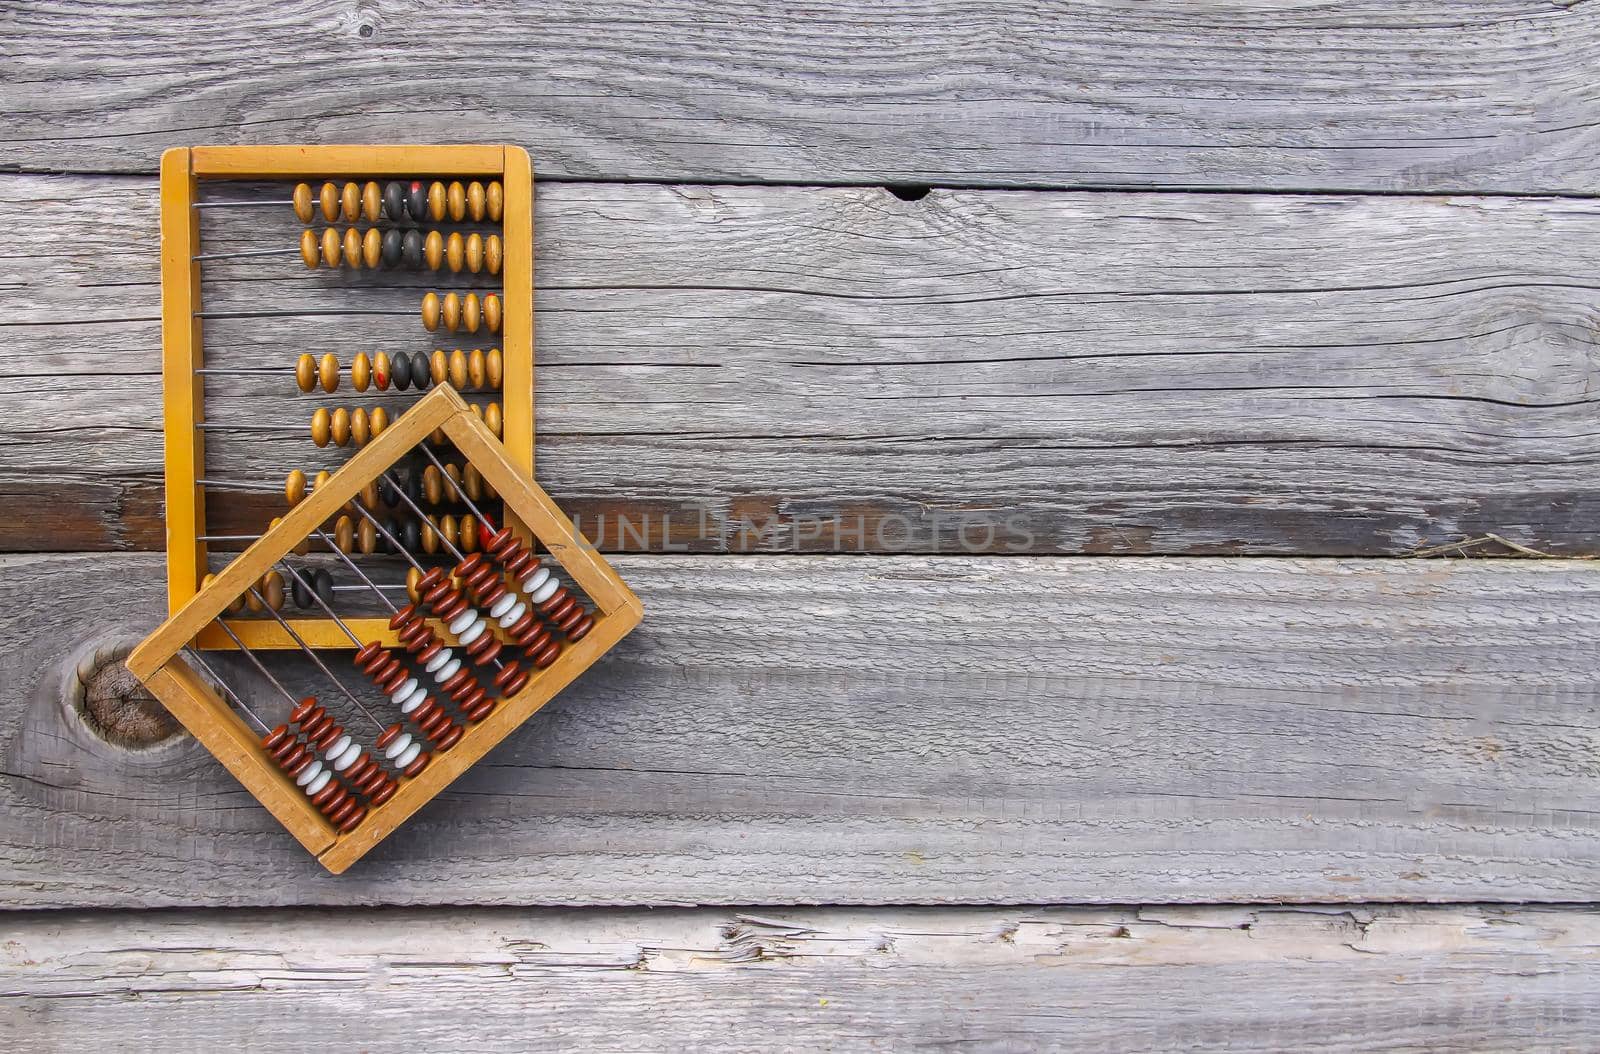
[(1034, 432)]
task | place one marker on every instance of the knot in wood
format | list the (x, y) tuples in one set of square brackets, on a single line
[(116, 707)]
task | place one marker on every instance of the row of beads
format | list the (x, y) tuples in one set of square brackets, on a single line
[(398, 201), (316, 781), (456, 312), (555, 601), (475, 370), (345, 756), (411, 250), (342, 426), (427, 485)]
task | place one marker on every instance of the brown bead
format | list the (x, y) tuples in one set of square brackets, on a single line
[(310, 248), (438, 366), (453, 473), (352, 246), (472, 483), (344, 534), (545, 656), (493, 254), (406, 616), (369, 656), (414, 769), (302, 202), (581, 628), (339, 426), (320, 479), (433, 250), (320, 426), (371, 202), (447, 528), (492, 418), (413, 576), (350, 202), (495, 201), (450, 311), (304, 709), (469, 534), (475, 202), (430, 539), (332, 247), (367, 537), (358, 427), (380, 371), (458, 370), (456, 199), (474, 252), (272, 590), (361, 371), (450, 738), (334, 790), (491, 312), (328, 372), (493, 369), (432, 485), (353, 822), (378, 420), (390, 734), (385, 791), (305, 372), (430, 312), (372, 248), (436, 201), (471, 313), (437, 437), (368, 494), (477, 369), (455, 252), (508, 675), (330, 202)]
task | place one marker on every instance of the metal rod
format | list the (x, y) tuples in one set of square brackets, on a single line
[(348, 632), (240, 484), (392, 540), (303, 311), (257, 663), (222, 685), (317, 659), (363, 576), (399, 490), (236, 204), (240, 253)]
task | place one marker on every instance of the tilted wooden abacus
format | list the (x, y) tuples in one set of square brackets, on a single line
[(461, 652)]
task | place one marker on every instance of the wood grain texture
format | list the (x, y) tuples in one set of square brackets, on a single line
[(1379, 977), (1406, 95), (770, 369), (906, 730)]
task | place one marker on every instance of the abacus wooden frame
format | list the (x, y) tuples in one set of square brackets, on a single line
[(182, 169), (157, 661)]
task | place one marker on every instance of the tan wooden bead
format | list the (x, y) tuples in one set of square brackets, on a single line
[(305, 372), (361, 371), (372, 202), (310, 250), (367, 536), (473, 247), (449, 531), (413, 579), (331, 246), (437, 437), (372, 248), (455, 252), (477, 411), (294, 487), (330, 202), (368, 495), (430, 312), (432, 485), (352, 248), (344, 534), (492, 418), (328, 372), (433, 250), (491, 312), (450, 311), (339, 426), (252, 598), (471, 313), (380, 371), (494, 369), (436, 201), (321, 422), (439, 366), (350, 203), (302, 202), (469, 534), (272, 590), (458, 370), (377, 421), (430, 539), (454, 473), (493, 253), (456, 199), (495, 201), (475, 202), (477, 369), (359, 433), (472, 482)]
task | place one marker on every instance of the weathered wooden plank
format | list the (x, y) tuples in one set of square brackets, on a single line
[(1361, 94), (1378, 977), (907, 730), (778, 369)]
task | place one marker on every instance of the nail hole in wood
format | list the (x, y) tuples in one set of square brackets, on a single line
[(908, 191)]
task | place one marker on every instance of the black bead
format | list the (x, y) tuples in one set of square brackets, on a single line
[(394, 200), (411, 250), (417, 200), (393, 527), (421, 374), (414, 487), (323, 584), (411, 535), (400, 371), (298, 590), (391, 246), (389, 490)]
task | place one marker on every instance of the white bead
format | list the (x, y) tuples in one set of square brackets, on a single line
[(472, 632), (398, 747), (536, 578), (438, 660), (509, 619), (348, 758), (408, 757), (311, 772), (544, 592), (404, 690), (315, 786), (463, 620), (414, 700), (504, 604), (448, 672), (337, 748)]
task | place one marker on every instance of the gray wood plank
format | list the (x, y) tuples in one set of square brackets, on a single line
[(906, 730), (1365, 978), (1391, 95), (771, 369)]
